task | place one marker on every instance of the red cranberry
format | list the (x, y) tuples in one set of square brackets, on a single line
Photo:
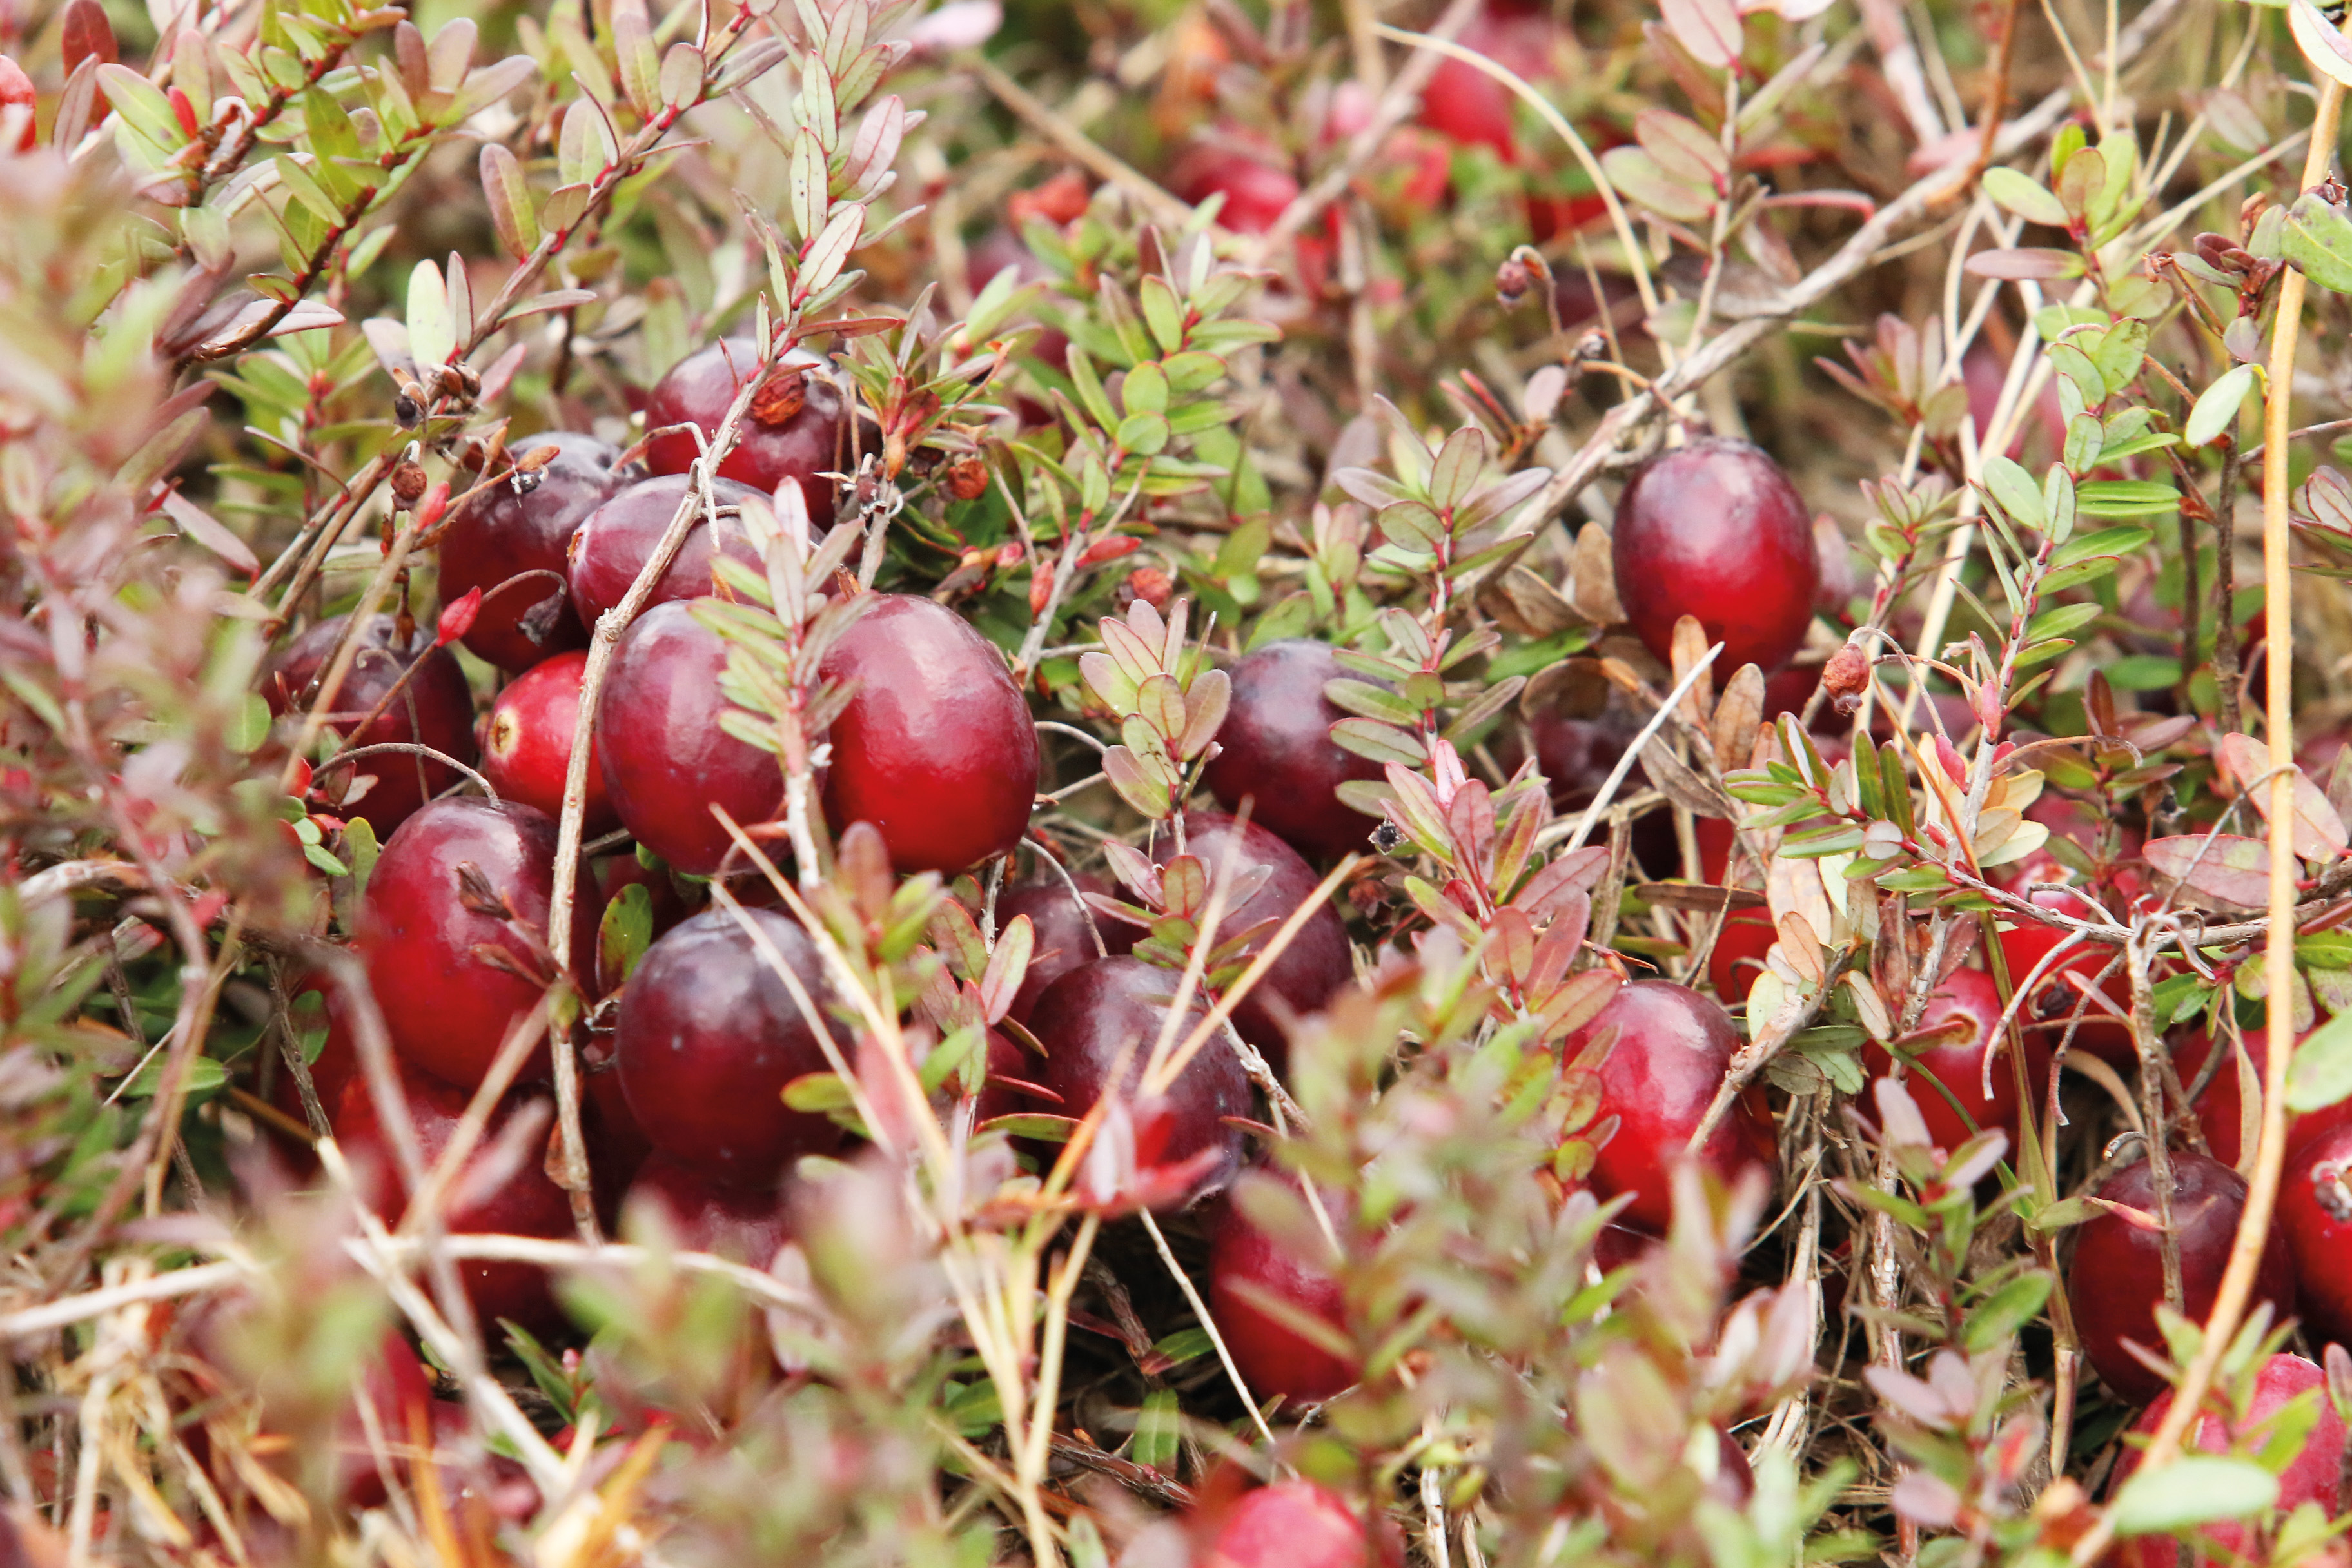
[(1576, 754), (1714, 530), (707, 1037), (1741, 950), (16, 93), (435, 708), (1298, 1524), (1464, 103), (1087, 1018), (397, 1389), (1315, 964), (617, 539), (2315, 1212), (665, 758), (1063, 939), (1674, 1047), (1255, 190), (936, 747), (745, 1223), (525, 1204), (527, 743), (2024, 943), (1277, 751), (1248, 1265), (2314, 1475), (792, 430), (2221, 1109), (2117, 1276), (523, 524), (317, 1004), (444, 973), (1969, 997)]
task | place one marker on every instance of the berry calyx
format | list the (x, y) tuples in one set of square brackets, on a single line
[(792, 431)]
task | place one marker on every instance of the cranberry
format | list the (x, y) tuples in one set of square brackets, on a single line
[(397, 1389), (526, 1202), (523, 524), (526, 740), (707, 1037), (1248, 1265), (1740, 949), (745, 1223), (665, 758), (449, 977), (2220, 1109), (2117, 1275), (317, 1003), (1674, 1047), (1098, 1011), (2314, 1475), (2024, 943), (1062, 941), (1316, 963), (2315, 1212), (936, 747), (617, 539), (792, 431), (1466, 105), (1576, 754), (435, 708), (1276, 749), (1969, 996), (1298, 1524), (1255, 190), (1714, 530), (16, 93)]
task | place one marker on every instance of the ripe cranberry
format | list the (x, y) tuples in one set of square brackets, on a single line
[(16, 93), (2117, 1276), (1576, 754), (526, 740), (2220, 1109), (1248, 1265), (936, 747), (315, 1004), (1315, 964), (435, 708), (1255, 190), (707, 1037), (1098, 1011), (444, 972), (1969, 996), (792, 430), (1674, 1047), (2024, 943), (1716, 529), (1740, 949), (524, 1204), (1298, 1524), (745, 1223), (396, 1388), (1464, 103), (2314, 1475), (665, 758), (1062, 941), (617, 539), (2315, 1212), (521, 525), (1277, 751)]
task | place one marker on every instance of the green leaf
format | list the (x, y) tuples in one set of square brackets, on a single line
[(361, 848), (623, 934), (2009, 1310), (818, 1093), (206, 1076), (2013, 490), (1158, 1428), (1371, 701), (2217, 407), (2321, 1073), (2317, 239), (2025, 196), (432, 331), (2195, 1490)]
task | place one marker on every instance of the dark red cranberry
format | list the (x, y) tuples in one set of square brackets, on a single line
[(617, 539), (1714, 530), (1255, 190), (450, 977), (2313, 1476), (2117, 1276), (527, 741), (1298, 1524), (16, 93), (936, 747), (1091, 1015), (397, 1389), (1277, 751), (707, 1037), (745, 1223), (1969, 996), (791, 432), (1674, 1047), (1315, 964), (1248, 1265), (665, 758), (524, 1204), (510, 541), (617, 1146), (1063, 938), (1576, 754), (2315, 1213), (2221, 1109), (435, 708)]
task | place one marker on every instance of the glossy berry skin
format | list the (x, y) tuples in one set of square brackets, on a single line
[(663, 757), (1277, 751), (707, 1037), (2314, 1475), (1274, 1358), (525, 1204), (435, 708), (936, 747), (2315, 1213), (526, 740), (1089, 1015), (16, 93), (615, 541), (1674, 1047), (448, 1008), (1968, 995), (2220, 1109), (506, 530), (1315, 964), (1714, 530), (747, 1225), (1062, 941), (2024, 943), (2117, 1276), (1298, 1524), (799, 446)]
